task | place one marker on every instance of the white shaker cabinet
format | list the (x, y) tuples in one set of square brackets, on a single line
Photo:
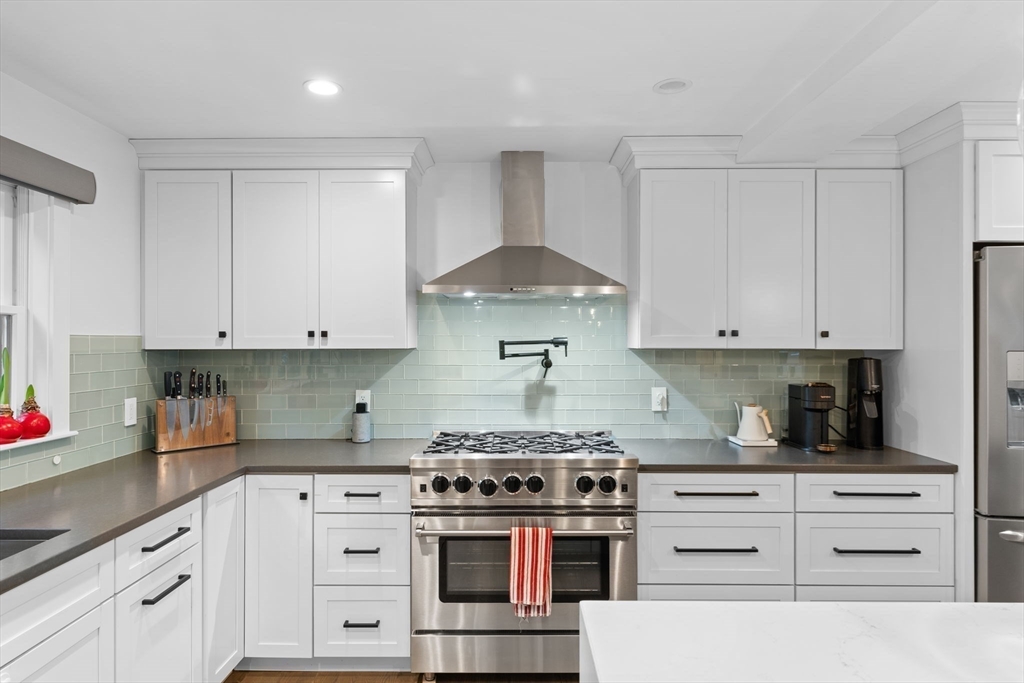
[(860, 260), (1000, 192), (771, 259), (187, 260), (81, 652), (275, 244), (367, 287), (678, 255), (278, 565), (223, 579)]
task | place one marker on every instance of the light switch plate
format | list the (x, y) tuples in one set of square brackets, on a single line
[(131, 415), (659, 399), (363, 396)]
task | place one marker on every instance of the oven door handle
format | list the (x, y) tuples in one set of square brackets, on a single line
[(423, 532)]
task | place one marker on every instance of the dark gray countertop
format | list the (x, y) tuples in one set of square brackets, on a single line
[(101, 502)]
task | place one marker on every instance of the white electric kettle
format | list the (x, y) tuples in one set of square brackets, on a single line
[(754, 426)]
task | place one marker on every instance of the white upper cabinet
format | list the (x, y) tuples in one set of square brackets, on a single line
[(366, 288), (678, 251), (1000, 192), (187, 261), (276, 266), (860, 260), (771, 259)]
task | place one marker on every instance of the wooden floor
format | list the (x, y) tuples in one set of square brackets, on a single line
[(388, 677)]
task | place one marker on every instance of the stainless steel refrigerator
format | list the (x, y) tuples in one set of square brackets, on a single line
[(999, 401)]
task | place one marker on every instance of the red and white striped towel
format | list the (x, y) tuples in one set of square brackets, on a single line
[(529, 586)]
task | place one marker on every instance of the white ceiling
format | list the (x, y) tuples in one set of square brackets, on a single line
[(797, 78)]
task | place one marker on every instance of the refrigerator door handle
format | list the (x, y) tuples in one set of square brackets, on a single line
[(1012, 536)]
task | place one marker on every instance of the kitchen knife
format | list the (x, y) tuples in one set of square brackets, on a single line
[(208, 391), (192, 384), (224, 386), (218, 385), (177, 385), (199, 385), (168, 384)]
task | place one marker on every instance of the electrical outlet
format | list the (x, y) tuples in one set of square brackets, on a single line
[(363, 396), (131, 415), (659, 399)]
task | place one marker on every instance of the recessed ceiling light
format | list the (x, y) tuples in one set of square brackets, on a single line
[(322, 87), (671, 86)]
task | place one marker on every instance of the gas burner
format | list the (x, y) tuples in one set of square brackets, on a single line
[(497, 443)]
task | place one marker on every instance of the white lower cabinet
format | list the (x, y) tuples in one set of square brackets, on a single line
[(361, 549), (223, 579), (81, 652), (361, 621), (715, 592), (874, 593), (159, 623)]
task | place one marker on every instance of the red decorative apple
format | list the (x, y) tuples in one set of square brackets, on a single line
[(34, 424)]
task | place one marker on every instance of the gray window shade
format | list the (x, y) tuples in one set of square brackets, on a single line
[(27, 166)]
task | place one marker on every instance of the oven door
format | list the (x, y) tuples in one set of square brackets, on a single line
[(460, 568)]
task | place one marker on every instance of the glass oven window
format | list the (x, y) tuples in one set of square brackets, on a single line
[(476, 569)]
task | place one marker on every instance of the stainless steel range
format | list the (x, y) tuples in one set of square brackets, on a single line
[(468, 490)]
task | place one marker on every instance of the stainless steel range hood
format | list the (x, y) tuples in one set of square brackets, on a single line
[(522, 267)]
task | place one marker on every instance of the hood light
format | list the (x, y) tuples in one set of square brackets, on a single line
[(671, 86), (322, 87)]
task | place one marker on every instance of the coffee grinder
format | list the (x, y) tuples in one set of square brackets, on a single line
[(809, 406)]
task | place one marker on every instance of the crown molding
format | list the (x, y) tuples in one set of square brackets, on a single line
[(955, 124), (719, 151), (408, 154)]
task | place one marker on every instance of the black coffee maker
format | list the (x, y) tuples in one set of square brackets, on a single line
[(809, 406), (864, 407)]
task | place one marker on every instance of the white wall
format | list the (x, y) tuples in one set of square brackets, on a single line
[(459, 215), (105, 236)]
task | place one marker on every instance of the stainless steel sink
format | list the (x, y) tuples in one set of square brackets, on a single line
[(13, 541)]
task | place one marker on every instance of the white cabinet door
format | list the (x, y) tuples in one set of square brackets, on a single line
[(860, 260), (159, 624), (874, 593), (276, 268), (720, 593), (82, 652), (1000, 192), (771, 259), (187, 260), (365, 285), (278, 565), (223, 579), (681, 259)]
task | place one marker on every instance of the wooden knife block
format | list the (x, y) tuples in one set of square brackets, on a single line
[(197, 423)]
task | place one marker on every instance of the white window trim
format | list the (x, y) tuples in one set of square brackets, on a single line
[(42, 309)]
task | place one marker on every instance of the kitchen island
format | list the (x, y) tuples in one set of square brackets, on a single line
[(661, 642)]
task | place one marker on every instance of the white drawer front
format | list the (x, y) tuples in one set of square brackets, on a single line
[(716, 493), (361, 621), (717, 593), (874, 593), (36, 610), (716, 548), (888, 550), (361, 493), (874, 493), (361, 549), (147, 547)]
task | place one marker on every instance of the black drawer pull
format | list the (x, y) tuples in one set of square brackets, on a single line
[(751, 549), (356, 624), (724, 494), (303, 495), (349, 494), (824, 334), (310, 334), (880, 494), (222, 335), (182, 578), (721, 333), (841, 551), (735, 333), (182, 530), (360, 551)]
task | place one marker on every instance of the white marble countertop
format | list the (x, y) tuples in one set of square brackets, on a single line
[(658, 642)]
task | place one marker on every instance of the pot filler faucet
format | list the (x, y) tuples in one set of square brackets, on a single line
[(546, 362)]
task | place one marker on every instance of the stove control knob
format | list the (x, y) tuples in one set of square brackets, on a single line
[(584, 484), (512, 483), (535, 484), (440, 483), (463, 483), (488, 487), (607, 484)]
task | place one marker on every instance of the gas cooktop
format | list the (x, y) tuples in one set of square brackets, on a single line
[(526, 443)]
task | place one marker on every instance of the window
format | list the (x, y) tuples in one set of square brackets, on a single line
[(12, 273)]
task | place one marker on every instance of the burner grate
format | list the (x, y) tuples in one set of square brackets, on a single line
[(531, 442)]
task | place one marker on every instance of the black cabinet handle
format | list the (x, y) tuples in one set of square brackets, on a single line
[(355, 624), (303, 495), (841, 551), (323, 334), (729, 494), (735, 333), (721, 333), (824, 333), (222, 335), (311, 334), (360, 551), (182, 578), (751, 549), (349, 494), (182, 530), (879, 494)]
